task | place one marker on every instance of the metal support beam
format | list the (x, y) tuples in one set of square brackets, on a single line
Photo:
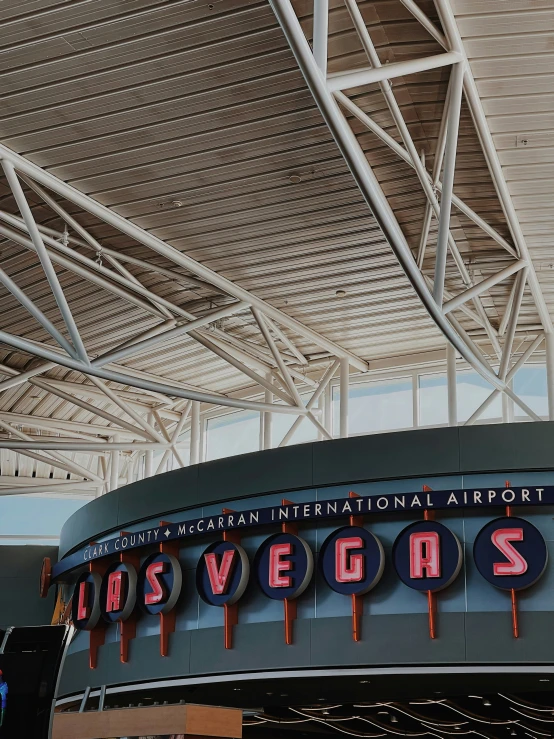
[(35, 311), (114, 467), (320, 33), (325, 428), (344, 393), (115, 355), (149, 454), (429, 26), (482, 286), (127, 408), (511, 329), (147, 239), (434, 180), (452, 389), (80, 446), (134, 380), (53, 459), (267, 422), (195, 433), (454, 104), (368, 76), (511, 374), (550, 374), (47, 266)]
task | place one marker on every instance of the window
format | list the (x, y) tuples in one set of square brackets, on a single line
[(433, 399), (34, 520), (472, 390), (530, 385), (376, 406), (281, 423), (233, 433)]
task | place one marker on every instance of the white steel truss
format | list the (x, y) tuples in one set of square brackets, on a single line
[(153, 416), (447, 310), (129, 414)]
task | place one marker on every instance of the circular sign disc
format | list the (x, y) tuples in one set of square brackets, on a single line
[(352, 560), (284, 566), (85, 604), (427, 556), (118, 593), (159, 583), (510, 553), (222, 573)]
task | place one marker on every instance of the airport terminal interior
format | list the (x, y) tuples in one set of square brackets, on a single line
[(276, 369)]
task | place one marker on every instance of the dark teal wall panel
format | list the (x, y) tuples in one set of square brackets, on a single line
[(20, 604), (386, 456), (421, 453), (387, 641)]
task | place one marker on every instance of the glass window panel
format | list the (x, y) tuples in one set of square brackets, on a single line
[(184, 451), (281, 423), (376, 406), (433, 399), (530, 385), (233, 433), (35, 517), (472, 390)]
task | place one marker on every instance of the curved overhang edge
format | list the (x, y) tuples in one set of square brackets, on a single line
[(371, 458)]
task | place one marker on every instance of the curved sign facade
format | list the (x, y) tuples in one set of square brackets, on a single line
[(140, 575)]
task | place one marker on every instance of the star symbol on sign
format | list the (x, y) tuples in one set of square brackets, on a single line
[(167, 532)]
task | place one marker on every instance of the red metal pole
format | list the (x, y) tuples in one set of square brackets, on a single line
[(431, 597), (515, 624), (431, 604)]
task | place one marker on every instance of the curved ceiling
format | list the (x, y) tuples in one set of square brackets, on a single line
[(193, 121)]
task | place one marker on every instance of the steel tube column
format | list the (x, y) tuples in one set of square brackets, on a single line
[(267, 419), (114, 470), (452, 390), (550, 374), (344, 388), (195, 433)]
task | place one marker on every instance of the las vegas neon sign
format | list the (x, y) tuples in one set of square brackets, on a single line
[(509, 552)]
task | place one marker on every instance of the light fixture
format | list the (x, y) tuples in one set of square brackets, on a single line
[(236, 689), (544, 680), (486, 702), (393, 720), (513, 732), (325, 712), (364, 682)]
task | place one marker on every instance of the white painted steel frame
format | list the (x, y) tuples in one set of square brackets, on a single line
[(274, 367), (159, 413), (328, 92)]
